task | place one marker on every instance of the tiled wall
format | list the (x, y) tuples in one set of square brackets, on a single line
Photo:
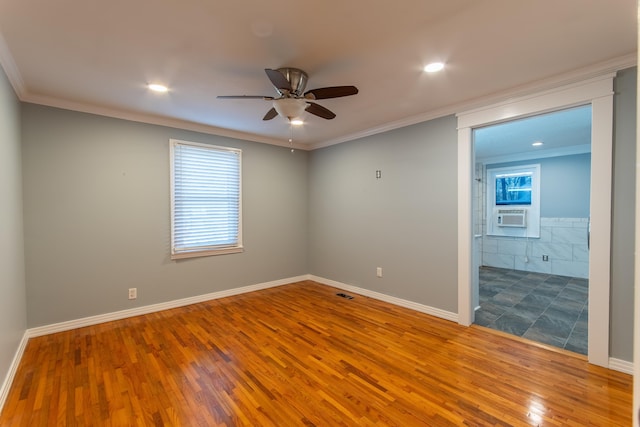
[(564, 240)]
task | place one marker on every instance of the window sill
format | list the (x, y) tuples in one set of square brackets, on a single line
[(196, 254)]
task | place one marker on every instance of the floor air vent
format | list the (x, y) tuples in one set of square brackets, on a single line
[(345, 296)]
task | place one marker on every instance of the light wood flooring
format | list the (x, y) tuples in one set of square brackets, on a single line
[(298, 355)]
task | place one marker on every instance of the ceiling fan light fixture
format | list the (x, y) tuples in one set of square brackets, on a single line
[(293, 101), (290, 108), (434, 67)]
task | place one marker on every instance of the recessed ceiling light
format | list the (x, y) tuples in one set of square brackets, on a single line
[(157, 87), (538, 143), (297, 122), (434, 67)]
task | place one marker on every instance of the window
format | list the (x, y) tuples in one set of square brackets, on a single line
[(513, 201), (513, 189), (205, 200)]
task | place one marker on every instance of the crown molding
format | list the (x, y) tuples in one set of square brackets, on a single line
[(593, 71), (11, 69), (154, 120)]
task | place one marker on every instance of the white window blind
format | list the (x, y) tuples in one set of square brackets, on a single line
[(206, 200)]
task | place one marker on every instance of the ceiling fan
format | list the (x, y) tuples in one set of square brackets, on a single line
[(292, 100)]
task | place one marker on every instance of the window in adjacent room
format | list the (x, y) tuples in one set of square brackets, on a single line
[(513, 188), (206, 203), (513, 201)]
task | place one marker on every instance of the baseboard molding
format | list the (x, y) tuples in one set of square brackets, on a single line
[(447, 315), (123, 314), (614, 364), (8, 380), (621, 366)]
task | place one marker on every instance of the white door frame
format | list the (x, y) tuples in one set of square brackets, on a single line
[(598, 92)]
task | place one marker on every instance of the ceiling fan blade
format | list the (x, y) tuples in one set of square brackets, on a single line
[(270, 114), (320, 111), (331, 92), (266, 98), (278, 79)]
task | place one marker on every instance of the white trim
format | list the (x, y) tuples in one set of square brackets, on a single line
[(636, 263), (13, 368), (467, 286), (609, 66), (549, 84), (575, 94), (621, 366), (537, 154), (419, 118), (532, 223), (156, 120), (193, 252), (123, 314), (597, 91), (11, 69), (447, 315), (600, 234), (615, 364)]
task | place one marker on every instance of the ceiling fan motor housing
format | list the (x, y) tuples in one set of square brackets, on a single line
[(297, 78)]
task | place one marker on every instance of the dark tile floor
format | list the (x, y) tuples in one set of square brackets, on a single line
[(540, 307)]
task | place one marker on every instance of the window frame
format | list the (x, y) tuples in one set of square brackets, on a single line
[(195, 251), (532, 229)]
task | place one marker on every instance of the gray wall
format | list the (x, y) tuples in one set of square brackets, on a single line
[(405, 222), (13, 311), (564, 184), (97, 221), (96, 212), (622, 251)]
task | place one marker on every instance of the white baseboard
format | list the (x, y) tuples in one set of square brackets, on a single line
[(621, 366), (123, 314), (13, 368), (615, 364), (447, 315)]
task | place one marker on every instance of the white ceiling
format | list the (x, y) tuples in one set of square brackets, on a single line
[(97, 56), (561, 133)]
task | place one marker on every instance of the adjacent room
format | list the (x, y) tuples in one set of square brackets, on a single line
[(532, 224), (275, 213)]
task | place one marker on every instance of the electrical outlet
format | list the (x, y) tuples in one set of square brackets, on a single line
[(545, 257), (133, 293), (379, 271)]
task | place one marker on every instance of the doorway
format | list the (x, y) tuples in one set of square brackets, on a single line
[(597, 92), (531, 216)]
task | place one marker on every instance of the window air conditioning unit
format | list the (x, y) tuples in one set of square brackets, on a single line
[(511, 218)]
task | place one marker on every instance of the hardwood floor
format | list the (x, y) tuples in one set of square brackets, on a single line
[(298, 355)]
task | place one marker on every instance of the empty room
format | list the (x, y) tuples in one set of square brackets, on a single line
[(283, 214)]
